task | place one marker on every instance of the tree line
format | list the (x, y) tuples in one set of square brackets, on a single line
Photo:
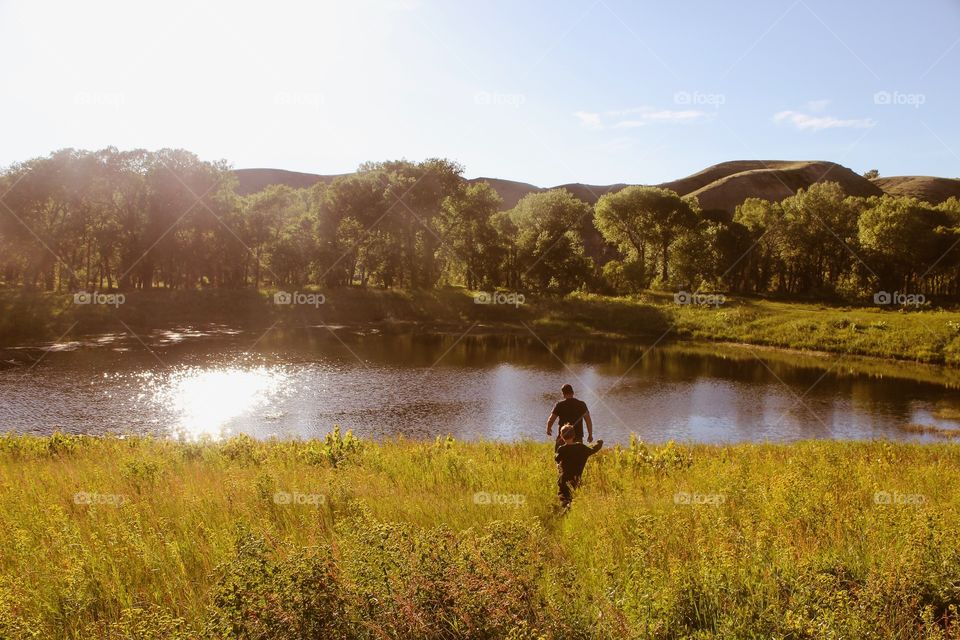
[(120, 220)]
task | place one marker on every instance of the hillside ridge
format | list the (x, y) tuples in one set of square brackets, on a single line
[(719, 187)]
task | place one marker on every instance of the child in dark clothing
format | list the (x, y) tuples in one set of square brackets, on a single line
[(571, 459)]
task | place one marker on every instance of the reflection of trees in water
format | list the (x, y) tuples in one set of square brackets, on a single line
[(648, 367)]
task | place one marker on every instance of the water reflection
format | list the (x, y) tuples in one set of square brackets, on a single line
[(204, 402), (299, 383)]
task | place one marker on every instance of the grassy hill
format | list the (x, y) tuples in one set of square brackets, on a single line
[(510, 191), (778, 181), (253, 180), (927, 188), (721, 187)]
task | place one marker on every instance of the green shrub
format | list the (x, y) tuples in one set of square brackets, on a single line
[(259, 596)]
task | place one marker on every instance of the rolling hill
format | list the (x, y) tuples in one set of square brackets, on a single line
[(774, 181), (927, 188), (510, 191), (253, 180), (720, 187)]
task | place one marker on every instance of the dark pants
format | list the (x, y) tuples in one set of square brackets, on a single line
[(565, 487)]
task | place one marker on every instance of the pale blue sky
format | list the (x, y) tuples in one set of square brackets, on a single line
[(542, 92)]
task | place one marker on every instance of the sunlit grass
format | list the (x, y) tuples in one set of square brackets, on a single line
[(355, 539)]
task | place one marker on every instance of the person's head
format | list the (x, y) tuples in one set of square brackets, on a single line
[(566, 432), (567, 391)]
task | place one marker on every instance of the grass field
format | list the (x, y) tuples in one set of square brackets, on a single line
[(927, 336), (148, 539)]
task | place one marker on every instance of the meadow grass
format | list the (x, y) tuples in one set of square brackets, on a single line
[(929, 335), (150, 538)]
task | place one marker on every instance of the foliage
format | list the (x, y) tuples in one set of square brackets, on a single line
[(81, 221)]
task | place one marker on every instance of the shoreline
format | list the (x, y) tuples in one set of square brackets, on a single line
[(926, 337), (11, 356)]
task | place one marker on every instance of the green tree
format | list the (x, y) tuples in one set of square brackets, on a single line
[(905, 240), (550, 252), (266, 214), (470, 242), (636, 218)]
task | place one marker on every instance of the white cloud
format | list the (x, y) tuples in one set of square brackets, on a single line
[(807, 122), (589, 120), (640, 117)]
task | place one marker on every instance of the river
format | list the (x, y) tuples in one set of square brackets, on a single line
[(214, 381)]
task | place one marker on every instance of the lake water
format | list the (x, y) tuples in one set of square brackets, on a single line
[(299, 383)]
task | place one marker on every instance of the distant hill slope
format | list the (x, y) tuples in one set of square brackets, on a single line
[(510, 191), (720, 187), (778, 180), (253, 180), (926, 188), (719, 171), (590, 193)]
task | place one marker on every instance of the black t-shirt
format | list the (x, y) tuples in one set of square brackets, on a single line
[(572, 458), (571, 411)]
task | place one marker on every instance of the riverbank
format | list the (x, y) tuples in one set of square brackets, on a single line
[(928, 336), (150, 539)]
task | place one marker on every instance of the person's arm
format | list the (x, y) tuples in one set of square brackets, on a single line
[(596, 447), (589, 421), (550, 422)]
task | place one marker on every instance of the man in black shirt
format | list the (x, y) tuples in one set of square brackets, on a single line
[(570, 411), (571, 458)]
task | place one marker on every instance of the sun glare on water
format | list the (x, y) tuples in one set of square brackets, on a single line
[(205, 401)]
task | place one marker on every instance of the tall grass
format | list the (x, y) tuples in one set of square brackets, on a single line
[(930, 335), (144, 538)]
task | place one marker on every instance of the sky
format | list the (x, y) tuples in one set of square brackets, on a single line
[(551, 92)]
